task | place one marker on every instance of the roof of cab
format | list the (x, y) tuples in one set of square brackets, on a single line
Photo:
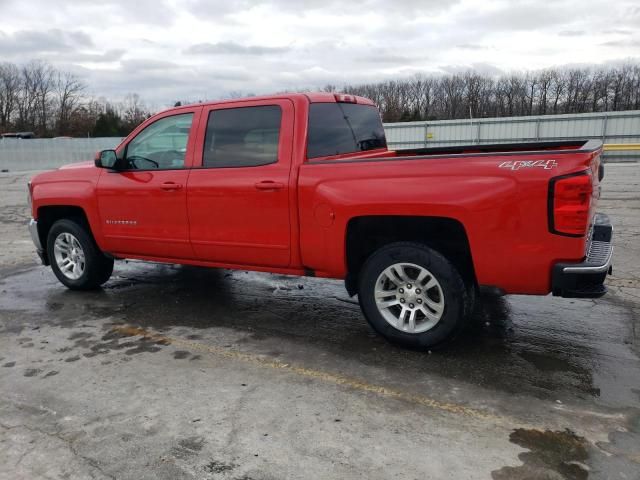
[(311, 97)]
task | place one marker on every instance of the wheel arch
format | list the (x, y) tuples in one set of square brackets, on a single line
[(366, 234), (50, 214)]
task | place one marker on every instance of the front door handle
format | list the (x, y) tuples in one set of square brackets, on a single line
[(269, 185), (170, 186)]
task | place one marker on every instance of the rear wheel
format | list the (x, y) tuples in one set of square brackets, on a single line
[(75, 258), (412, 295)]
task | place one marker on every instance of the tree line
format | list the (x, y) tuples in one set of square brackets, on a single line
[(471, 94), (38, 98)]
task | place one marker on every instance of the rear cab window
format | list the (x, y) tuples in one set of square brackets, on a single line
[(341, 128)]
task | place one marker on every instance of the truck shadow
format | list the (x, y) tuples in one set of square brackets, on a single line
[(512, 345)]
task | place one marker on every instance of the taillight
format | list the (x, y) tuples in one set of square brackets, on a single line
[(570, 204)]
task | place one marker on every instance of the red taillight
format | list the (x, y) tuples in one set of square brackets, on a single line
[(570, 204), (344, 98)]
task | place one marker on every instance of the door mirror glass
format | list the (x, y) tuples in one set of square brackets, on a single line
[(106, 159)]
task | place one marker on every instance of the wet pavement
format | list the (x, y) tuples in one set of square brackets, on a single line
[(182, 372)]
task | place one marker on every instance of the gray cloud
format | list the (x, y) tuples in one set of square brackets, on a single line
[(36, 41), (519, 16), (472, 46), (141, 12), (572, 33), (618, 31), (479, 67), (112, 55), (147, 65), (219, 8), (387, 58), (232, 48), (633, 43), (203, 49), (163, 82)]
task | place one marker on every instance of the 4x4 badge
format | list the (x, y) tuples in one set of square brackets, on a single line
[(518, 164)]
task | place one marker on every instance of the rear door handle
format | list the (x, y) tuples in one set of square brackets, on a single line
[(269, 185), (170, 186)]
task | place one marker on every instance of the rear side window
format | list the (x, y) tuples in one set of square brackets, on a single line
[(336, 128), (242, 137)]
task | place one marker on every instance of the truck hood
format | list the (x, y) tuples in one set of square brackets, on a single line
[(78, 165)]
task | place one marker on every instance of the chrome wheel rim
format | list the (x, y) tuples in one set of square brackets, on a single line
[(409, 297), (69, 256)]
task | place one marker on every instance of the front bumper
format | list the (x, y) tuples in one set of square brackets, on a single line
[(586, 279), (35, 237)]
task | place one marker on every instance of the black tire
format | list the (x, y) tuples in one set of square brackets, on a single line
[(457, 301), (98, 268)]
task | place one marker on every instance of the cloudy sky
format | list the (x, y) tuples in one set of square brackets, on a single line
[(204, 49)]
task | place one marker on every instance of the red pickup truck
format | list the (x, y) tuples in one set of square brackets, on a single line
[(303, 184)]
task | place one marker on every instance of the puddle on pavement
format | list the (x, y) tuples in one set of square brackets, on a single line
[(550, 455)]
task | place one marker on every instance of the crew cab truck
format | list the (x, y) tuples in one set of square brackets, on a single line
[(303, 184)]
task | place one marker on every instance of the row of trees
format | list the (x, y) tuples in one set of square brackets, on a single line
[(575, 90), (39, 98)]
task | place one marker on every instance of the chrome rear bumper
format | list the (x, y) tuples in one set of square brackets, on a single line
[(586, 279)]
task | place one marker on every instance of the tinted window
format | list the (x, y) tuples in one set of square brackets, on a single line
[(161, 145), (336, 128), (242, 137)]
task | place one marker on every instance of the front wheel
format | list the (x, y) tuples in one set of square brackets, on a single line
[(75, 258), (412, 295)]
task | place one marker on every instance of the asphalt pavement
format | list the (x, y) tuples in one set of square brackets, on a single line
[(174, 372)]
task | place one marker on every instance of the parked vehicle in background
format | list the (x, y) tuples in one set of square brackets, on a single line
[(21, 135), (303, 184)]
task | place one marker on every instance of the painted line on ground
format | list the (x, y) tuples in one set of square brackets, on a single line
[(329, 377)]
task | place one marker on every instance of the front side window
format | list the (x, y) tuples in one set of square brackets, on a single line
[(242, 137), (162, 145), (337, 128)]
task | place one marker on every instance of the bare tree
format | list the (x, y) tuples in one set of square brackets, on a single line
[(68, 91), (37, 97), (544, 89), (554, 90), (9, 91), (134, 111)]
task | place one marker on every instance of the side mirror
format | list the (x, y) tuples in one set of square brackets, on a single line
[(106, 159)]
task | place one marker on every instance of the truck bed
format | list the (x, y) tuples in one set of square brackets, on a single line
[(495, 149), (507, 148)]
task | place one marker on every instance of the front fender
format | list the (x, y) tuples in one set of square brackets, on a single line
[(69, 188)]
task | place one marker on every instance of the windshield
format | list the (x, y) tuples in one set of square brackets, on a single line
[(337, 128)]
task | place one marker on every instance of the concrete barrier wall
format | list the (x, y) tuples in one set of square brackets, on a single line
[(48, 153), (610, 127)]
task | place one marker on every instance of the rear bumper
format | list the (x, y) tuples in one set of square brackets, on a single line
[(586, 279)]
